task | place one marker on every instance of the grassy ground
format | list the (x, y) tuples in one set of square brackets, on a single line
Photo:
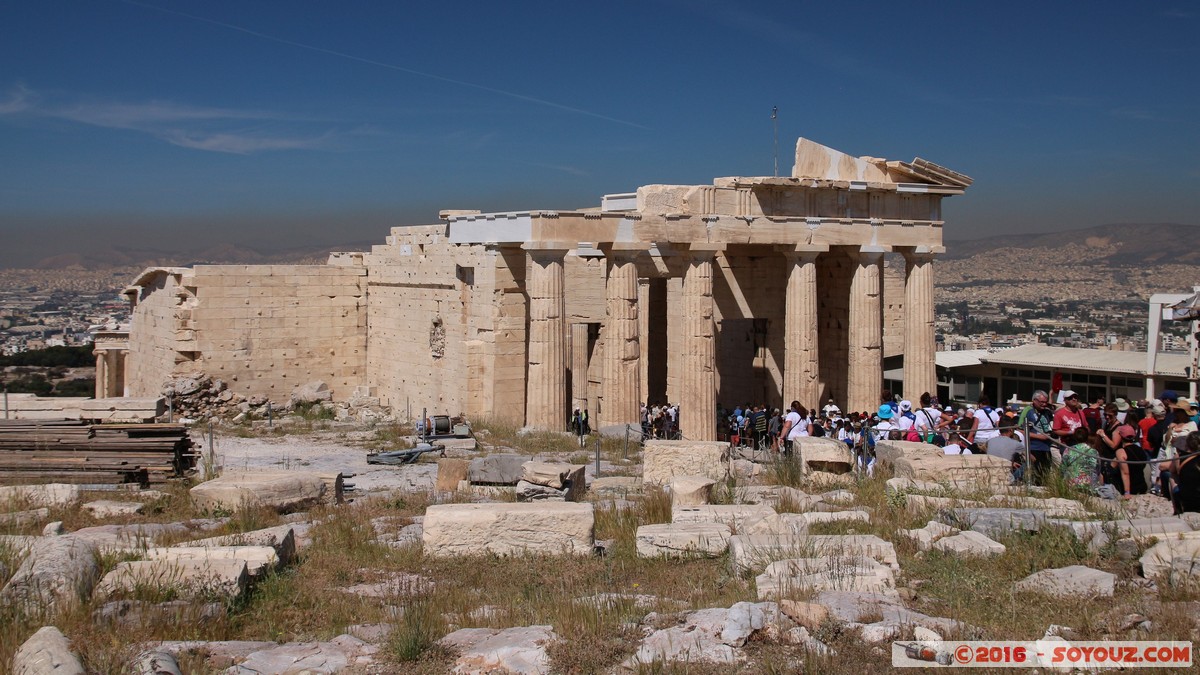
[(304, 602)]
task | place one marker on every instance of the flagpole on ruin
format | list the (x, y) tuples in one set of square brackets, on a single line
[(775, 128)]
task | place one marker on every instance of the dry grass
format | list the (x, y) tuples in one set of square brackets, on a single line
[(306, 602)]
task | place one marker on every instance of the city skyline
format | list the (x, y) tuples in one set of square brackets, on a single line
[(160, 124)]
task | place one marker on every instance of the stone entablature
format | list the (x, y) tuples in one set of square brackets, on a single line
[(757, 289)]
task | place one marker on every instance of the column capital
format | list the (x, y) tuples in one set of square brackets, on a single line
[(554, 246), (921, 253), (802, 251), (872, 253)]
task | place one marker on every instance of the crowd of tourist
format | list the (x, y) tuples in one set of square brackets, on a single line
[(1116, 449)]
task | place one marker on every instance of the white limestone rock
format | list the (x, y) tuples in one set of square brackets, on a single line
[(286, 540), (691, 490), (926, 536), (105, 508), (51, 495), (739, 517), (497, 469), (1174, 555), (969, 542), (754, 552), (511, 650), (258, 559), (663, 460), (58, 572), (507, 528), (184, 577), (682, 539), (834, 573), (828, 455), (619, 487), (928, 463), (553, 475), (530, 492), (1074, 582), (280, 490), (310, 393), (23, 518), (343, 652), (855, 516), (46, 652), (157, 663)]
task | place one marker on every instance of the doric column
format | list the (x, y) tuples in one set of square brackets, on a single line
[(864, 380), (622, 347), (801, 363), (579, 366), (546, 387), (920, 369), (101, 373), (698, 387)]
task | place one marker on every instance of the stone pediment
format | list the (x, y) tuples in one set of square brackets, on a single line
[(820, 162)]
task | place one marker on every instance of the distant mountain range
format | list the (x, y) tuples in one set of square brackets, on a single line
[(225, 253), (1118, 244)]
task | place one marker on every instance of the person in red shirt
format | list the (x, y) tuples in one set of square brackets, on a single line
[(1068, 418), (1148, 420)]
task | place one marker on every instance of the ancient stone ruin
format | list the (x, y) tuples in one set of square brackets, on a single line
[(752, 288)]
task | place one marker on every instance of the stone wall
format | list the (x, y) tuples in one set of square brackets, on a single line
[(447, 324), (265, 329), (161, 321)]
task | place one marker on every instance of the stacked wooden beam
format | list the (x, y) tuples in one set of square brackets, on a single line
[(71, 451)]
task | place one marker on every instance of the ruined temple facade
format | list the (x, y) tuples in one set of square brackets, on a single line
[(761, 289)]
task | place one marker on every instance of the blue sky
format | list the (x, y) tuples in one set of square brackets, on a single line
[(163, 123)]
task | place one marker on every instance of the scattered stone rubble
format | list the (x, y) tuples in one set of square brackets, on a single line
[(199, 396), (770, 535)]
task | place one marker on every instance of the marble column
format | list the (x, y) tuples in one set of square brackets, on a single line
[(801, 362), (579, 366), (101, 373), (698, 379), (622, 345), (864, 379), (545, 386), (920, 368)]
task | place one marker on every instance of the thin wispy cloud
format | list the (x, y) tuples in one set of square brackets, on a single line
[(244, 143), (188, 126), (1139, 114), (389, 66), (561, 168)]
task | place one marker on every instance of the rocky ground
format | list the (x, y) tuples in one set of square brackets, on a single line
[(514, 555)]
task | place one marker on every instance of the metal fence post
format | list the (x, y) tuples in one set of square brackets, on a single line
[(1028, 463), (598, 456)]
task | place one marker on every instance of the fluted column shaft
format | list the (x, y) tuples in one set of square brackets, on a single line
[(545, 387), (864, 379), (622, 345), (920, 367), (101, 373), (579, 366), (698, 390), (801, 362)]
